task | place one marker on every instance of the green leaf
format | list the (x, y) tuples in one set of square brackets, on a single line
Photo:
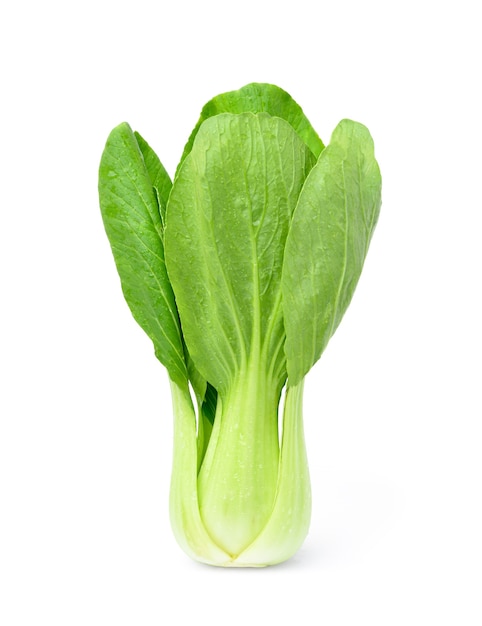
[(162, 186), (133, 225), (258, 98), (159, 177), (327, 244), (228, 217)]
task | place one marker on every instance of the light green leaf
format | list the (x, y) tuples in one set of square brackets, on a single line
[(133, 225), (258, 98), (227, 220), (327, 244)]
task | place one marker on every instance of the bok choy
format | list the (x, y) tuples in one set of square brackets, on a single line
[(240, 272)]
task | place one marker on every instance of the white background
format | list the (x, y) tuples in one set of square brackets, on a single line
[(392, 410)]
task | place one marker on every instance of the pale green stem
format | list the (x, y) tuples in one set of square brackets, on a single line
[(238, 477), (186, 521), (216, 518), (289, 521)]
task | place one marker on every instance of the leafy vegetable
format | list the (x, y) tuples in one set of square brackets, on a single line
[(240, 272)]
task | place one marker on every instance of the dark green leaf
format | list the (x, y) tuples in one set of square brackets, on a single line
[(159, 177), (133, 224)]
